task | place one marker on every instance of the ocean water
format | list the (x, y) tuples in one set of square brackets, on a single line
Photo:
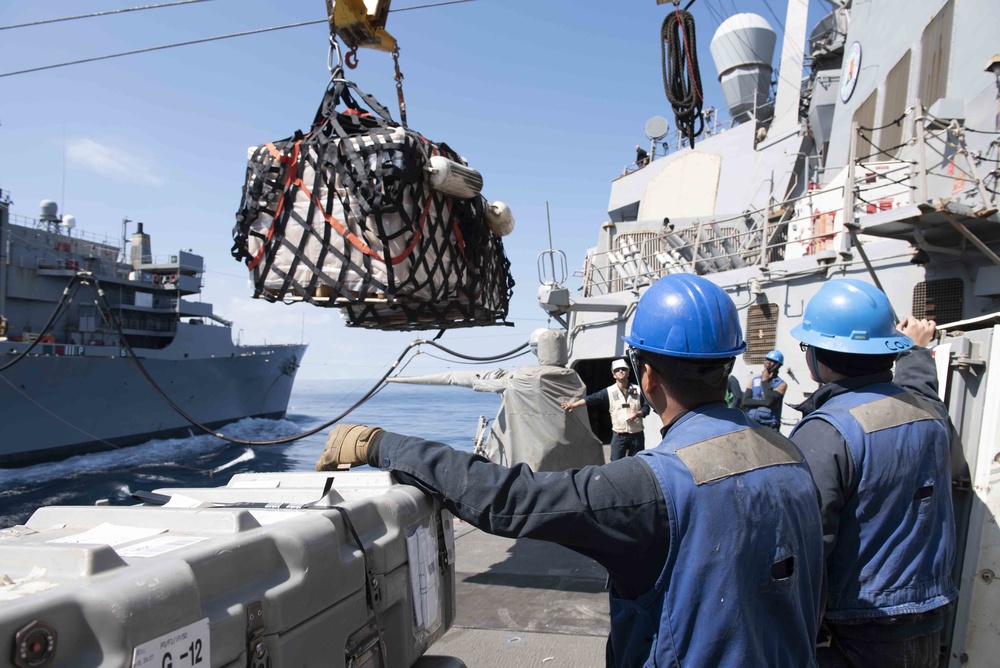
[(446, 414)]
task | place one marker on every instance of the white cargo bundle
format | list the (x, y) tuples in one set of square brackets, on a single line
[(266, 571), (370, 217)]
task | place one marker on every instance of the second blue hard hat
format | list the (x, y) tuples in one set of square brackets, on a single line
[(851, 316), (775, 356), (687, 316)]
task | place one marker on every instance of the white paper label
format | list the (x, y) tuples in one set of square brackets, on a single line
[(159, 545), (184, 648), (110, 534)]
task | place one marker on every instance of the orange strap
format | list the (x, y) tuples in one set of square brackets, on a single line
[(331, 220), (292, 159)]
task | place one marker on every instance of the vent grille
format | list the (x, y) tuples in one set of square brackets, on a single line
[(896, 90), (864, 116), (939, 300), (935, 45), (761, 332)]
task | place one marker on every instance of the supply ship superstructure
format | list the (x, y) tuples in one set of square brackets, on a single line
[(79, 389)]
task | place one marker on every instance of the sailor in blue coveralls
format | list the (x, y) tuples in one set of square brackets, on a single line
[(766, 392), (878, 448), (712, 540)]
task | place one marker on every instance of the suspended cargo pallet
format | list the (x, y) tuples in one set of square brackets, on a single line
[(370, 217)]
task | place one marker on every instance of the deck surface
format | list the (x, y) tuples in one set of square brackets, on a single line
[(525, 603)]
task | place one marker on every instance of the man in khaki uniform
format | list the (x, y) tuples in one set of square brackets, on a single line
[(627, 410)]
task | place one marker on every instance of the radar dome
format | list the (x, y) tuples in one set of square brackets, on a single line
[(657, 127), (48, 211), (742, 49), (69, 222)]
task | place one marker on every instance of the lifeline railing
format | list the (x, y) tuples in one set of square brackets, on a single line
[(933, 158), (713, 245)]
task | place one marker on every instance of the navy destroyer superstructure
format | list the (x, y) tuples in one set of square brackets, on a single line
[(78, 390), (879, 163)]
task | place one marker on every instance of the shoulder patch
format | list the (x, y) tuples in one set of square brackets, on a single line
[(737, 452), (899, 409)]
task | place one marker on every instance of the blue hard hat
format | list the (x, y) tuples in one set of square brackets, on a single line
[(850, 316), (683, 315), (775, 356)]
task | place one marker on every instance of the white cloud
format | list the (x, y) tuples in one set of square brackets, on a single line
[(111, 161)]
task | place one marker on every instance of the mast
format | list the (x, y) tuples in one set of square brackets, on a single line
[(4, 218), (786, 99)]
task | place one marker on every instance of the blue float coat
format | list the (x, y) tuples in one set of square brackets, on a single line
[(615, 514), (845, 462)]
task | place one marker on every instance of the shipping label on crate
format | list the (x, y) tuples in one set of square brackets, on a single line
[(187, 647)]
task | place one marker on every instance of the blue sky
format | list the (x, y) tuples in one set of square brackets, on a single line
[(546, 98)]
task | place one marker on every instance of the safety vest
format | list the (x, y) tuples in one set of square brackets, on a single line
[(623, 405), (763, 414), (896, 543), (742, 579)]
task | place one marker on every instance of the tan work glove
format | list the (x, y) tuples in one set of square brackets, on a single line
[(347, 446)]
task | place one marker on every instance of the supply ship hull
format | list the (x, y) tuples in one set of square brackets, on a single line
[(98, 353), (58, 406)]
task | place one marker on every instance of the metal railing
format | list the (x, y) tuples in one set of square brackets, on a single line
[(933, 157), (800, 227)]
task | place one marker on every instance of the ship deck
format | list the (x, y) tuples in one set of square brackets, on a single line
[(525, 602)]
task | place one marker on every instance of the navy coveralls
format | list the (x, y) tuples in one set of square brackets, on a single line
[(890, 570), (617, 515)]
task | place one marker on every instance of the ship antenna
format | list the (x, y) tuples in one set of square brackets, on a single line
[(125, 222), (554, 279), (548, 224), (62, 193)]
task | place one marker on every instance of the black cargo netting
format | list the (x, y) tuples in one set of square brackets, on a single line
[(345, 217)]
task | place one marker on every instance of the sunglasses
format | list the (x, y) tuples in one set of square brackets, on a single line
[(804, 347)]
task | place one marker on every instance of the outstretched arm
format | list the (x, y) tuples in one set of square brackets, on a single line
[(614, 514), (915, 370)]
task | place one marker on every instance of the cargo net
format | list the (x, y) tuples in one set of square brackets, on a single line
[(345, 217)]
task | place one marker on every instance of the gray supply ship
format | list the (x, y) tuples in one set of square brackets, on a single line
[(77, 390), (877, 161)]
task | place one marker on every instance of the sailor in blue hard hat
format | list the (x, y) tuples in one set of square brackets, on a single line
[(712, 540), (766, 392), (878, 449)]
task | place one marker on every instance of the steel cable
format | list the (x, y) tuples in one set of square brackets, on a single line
[(101, 301), (681, 75), (67, 296)]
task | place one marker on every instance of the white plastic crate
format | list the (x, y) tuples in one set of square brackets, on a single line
[(262, 572)]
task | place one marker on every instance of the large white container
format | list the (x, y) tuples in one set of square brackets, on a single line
[(264, 571)]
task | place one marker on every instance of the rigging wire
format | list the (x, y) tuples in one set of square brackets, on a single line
[(770, 9), (101, 301), (203, 40), (159, 48), (435, 4), (105, 308), (107, 13), (67, 296)]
